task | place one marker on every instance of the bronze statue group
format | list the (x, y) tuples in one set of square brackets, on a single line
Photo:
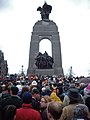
[(44, 61)]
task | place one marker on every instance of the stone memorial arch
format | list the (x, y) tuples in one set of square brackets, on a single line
[(45, 29)]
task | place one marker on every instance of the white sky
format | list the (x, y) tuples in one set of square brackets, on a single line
[(17, 18)]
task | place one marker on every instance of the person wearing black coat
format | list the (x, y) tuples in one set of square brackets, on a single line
[(13, 99)]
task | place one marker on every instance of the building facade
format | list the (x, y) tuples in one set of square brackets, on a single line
[(3, 66)]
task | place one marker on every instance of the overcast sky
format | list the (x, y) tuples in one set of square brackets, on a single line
[(17, 18)]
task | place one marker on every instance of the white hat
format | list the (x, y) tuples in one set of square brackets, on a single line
[(3, 85), (43, 89), (34, 83)]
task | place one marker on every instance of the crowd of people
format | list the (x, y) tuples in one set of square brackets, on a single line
[(44, 98)]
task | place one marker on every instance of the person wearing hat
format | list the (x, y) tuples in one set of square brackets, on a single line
[(27, 112), (66, 99), (74, 97), (33, 84)]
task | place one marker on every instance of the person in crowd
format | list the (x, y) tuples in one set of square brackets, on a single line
[(5, 91), (14, 99), (24, 89), (33, 85), (87, 103), (35, 99), (0, 112), (0, 92), (59, 92), (81, 87), (27, 112), (48, 90), (43, 91), (66, 99), (43, 106), (87, 91), (19, 86), (54, 110), (8, 112), (54, 96), (74, 98), (80, 112)]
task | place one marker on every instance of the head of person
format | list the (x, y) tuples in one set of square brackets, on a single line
[(25, 89), (35, 93), (80, 112), (59, 90), (9, 112), (14, 90), (44, 101), (27, 97), (54, 110), (74, 95)]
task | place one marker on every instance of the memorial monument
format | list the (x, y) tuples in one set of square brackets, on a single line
[(43, 64)]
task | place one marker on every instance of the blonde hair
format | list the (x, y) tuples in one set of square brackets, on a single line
[(46, 98)]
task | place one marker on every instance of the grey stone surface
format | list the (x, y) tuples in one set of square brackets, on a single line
[(45, 30)]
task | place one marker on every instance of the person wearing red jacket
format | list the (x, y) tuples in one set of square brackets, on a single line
[(26, 112)]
